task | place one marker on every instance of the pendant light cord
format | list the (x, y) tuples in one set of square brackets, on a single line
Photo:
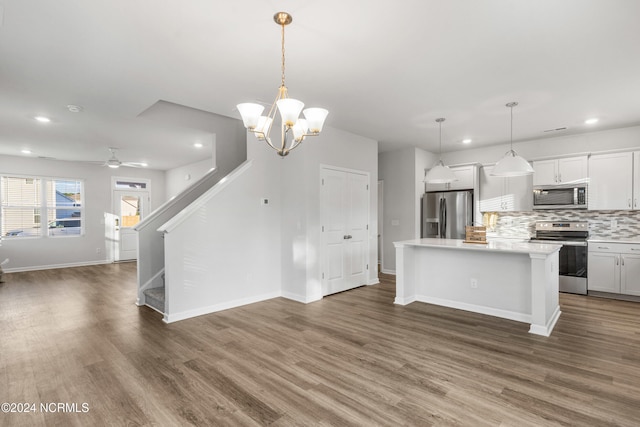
[(440, 137), (511, 126), (282, 54)]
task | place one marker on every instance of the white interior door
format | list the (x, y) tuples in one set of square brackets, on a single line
[(130, 207), (345, 216)]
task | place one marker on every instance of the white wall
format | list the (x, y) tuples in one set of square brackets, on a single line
[(180, 178), (593, 142), (48, 252), (403, 173), (300, 206), (226, 253)]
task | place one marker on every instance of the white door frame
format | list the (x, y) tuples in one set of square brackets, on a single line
[(114, 208), (322, 252), (381, 224)]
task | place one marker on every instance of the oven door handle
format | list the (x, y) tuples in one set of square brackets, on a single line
[(559, 242)]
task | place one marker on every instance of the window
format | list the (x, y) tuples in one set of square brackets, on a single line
[(26, 201), (125, 185)]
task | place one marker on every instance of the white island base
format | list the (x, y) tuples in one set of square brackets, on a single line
[(512, 280)]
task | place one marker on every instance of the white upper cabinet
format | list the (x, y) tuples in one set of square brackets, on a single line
[(499, 194), (467, 178), (611, 181), (560, 171)]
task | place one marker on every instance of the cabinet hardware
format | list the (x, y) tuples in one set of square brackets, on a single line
[(347, 236), (629, 202), (635, 249), (555, 178), (617, 260), (622, 260), (602, 247), (559, 177)]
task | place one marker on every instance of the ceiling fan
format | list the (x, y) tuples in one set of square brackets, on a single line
[(114, 163)]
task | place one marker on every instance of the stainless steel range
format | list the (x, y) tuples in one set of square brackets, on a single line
[(573, 236)]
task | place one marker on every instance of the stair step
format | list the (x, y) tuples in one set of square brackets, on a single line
[(154, 297)]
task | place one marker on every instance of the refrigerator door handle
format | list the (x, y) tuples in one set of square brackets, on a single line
[(443, 219), (440, 218)]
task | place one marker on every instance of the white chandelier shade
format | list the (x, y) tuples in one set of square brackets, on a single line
[(440, 174)]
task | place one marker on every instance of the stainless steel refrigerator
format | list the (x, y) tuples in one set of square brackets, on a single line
[(446, 213)]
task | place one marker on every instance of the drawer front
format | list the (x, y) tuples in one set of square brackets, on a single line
[(621, 248)]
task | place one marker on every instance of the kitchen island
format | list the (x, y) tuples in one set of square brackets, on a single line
[(514, 280)]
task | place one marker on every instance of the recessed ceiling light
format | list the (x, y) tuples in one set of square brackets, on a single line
[(25, 151), (74, 108), (466, 141), (591, 121), (198, 145), (42, 119)]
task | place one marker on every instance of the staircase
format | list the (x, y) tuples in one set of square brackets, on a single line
[(154, 298)]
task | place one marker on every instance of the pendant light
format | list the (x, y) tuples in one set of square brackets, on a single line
[(440, 174), (512, 164)]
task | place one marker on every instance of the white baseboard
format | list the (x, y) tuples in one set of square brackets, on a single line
[(374, 281), (404, 301), (504, 314), (187, 314), (301, 298), (53, 266), (385, 271), (546, 329)]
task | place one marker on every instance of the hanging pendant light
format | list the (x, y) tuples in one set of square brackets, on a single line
[(512, 164), (440, 174), (294, 129)]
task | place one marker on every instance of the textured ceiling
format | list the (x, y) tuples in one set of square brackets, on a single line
[(384, 69)]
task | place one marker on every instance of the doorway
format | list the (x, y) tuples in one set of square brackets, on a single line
[(345, 219), (130, 206)]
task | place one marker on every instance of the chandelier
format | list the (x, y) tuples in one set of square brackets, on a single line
[(294, 129)]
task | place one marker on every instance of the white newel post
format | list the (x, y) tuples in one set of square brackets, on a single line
[(405, 274), (545, 307)]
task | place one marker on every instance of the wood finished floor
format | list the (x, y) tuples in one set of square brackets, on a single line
[(75, 336)]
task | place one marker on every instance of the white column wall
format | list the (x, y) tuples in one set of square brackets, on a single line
[(402, 172), (301, 222), (227, 252)]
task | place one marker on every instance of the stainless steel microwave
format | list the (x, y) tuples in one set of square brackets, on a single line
[(560, 197)]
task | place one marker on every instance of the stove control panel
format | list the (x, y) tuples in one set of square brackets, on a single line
[(562, 226)]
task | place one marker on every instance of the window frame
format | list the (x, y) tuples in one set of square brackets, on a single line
[(44, 207)]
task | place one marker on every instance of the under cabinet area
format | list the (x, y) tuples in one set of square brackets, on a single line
[(567, 171), (614, 268)]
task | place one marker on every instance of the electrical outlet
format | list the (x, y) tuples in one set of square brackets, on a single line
[(474, 283)]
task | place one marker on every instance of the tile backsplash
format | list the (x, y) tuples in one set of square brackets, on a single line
[(626, 224)]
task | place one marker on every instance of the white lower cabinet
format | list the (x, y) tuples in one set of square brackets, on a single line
[(614, 268), (630, 278)]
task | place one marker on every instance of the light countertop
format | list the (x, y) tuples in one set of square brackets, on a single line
[(491, 246)]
